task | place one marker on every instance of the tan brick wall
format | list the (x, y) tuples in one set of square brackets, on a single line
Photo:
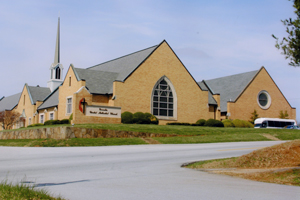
[(77, 93), (247, 102), (66, 91), (135, 93), (26, 105)]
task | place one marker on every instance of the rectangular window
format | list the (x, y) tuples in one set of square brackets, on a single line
[(42, 118), (70, 81), (51, 116), (24, 100), (29, 121), (69, 105)]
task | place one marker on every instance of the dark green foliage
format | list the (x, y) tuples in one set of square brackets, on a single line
[(52, 122), (201, 122), (126, 117), (151, 118), (290, 45), (179, 123), (65, 121), (139, 118), (228, 123), (253, 117), (33, 125), (213, 123)]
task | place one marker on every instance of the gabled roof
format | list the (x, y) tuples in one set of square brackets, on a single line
[(229, 87), (97, 82), (37, 93), (211, 99), (125, 65), (51, 100), (10, 102)]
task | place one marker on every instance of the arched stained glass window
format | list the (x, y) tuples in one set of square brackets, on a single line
[(164, 99)]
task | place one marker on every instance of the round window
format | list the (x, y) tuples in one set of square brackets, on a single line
[(264, 99)]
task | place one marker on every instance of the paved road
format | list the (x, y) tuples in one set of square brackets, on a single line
[(136, 172)]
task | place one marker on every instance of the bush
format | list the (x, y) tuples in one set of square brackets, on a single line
[(179, 123), (201, 122), (242, 123), (33, 125), (228, 123), (151, 118), (213, 123), (52, 122), (126, 118), (139, 118), (65, 121)]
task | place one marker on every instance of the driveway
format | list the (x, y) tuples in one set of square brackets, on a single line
[(136, 172)]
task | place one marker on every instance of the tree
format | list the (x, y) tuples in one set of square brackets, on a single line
[(253, 117), (284, 115), (9, 118), (290, 45)]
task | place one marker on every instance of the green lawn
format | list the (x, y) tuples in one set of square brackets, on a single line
[(185, 134)]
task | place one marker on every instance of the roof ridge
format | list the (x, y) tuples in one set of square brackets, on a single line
[(96, 70), (232, 75), (123, 56)]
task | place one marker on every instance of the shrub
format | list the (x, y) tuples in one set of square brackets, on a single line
[(179, 123), (65, 121), (33, 125), (71, 117), (201, 122), (228, 123), (52, 122), (151, 119), (139, 118), (126, 118), (213, 123), (242, 123)]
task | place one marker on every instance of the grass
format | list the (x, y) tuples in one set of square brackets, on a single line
[(280, 156), (9, 191), (185, 135), (72, 142)]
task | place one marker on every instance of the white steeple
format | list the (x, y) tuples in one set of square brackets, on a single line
[(56, 68)]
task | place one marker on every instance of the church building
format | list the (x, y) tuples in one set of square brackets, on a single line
[(152, 80)]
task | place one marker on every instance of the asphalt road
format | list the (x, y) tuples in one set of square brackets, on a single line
[(136, 172)]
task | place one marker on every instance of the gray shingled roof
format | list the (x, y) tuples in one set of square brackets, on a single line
[(211, 99), (10, 102), (229, 87), (97, 82), (125, 65), (51, 100), (38, 93)]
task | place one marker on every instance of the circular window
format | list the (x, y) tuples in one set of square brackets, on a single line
[(264, 99)]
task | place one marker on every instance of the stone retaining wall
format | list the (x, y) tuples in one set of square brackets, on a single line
[(74, 132)]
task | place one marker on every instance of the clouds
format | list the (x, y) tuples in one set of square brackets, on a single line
[(212, 38)]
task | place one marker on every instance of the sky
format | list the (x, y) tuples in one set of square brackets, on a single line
[(212, 38)]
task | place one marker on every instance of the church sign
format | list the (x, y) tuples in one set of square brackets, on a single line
[(103, 111)]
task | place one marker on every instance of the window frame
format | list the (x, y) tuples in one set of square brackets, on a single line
[(40, 118), (269, 100), (174, 103), (50, 115), (67, 105)]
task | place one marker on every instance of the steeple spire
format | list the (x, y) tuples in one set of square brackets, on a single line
[(57, 47), (56, 69)]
